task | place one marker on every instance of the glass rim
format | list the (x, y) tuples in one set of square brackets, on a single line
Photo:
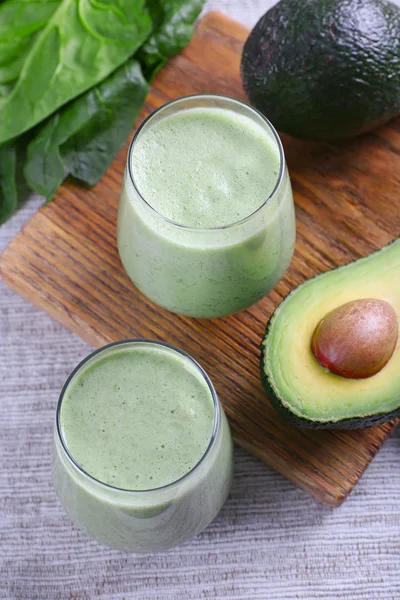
[(149, 342), (217, 96)]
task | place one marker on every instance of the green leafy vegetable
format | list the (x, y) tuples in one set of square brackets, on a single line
[(68, 79), (82, 43), (20, 21), (82, 139), (173, 28), (8, 185)]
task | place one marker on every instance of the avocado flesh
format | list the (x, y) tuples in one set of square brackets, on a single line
[(303, 391), (325, 69)]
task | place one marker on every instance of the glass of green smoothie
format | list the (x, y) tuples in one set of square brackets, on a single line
[(206, 221), (143, 455)]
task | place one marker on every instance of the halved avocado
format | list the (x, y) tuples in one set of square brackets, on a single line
[(305, 393)]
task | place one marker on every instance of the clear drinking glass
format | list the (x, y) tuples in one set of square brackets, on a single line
[(150, 520), (202, 272)]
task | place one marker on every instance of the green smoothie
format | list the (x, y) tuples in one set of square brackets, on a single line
[(206, 167), (206, 219), (143, 454), (138, 419)]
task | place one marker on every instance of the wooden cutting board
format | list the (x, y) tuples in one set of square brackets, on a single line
[(65, 261)]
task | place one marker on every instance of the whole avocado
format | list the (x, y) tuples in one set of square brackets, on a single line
[(325, 69)]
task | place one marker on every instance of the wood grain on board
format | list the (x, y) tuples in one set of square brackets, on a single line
[(65, 261)]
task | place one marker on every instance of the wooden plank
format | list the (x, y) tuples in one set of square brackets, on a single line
[(65, 261)]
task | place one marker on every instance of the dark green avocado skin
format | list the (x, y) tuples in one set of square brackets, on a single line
[(325, 69)]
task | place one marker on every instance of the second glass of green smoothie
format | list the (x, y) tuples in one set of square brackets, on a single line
[(206, 221), (143, 455)]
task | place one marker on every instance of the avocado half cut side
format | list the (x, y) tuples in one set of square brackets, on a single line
[(306, 394)]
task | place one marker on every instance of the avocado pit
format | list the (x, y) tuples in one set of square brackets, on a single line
[(357, 339)]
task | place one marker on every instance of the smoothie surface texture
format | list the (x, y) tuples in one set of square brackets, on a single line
[(205, 167), (138, 418)]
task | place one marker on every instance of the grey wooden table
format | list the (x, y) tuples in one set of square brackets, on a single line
[(271, 541)]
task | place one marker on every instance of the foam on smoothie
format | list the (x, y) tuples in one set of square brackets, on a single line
[(205, 167), (139, 418)]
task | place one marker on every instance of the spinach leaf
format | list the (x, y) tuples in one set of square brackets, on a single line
[(19, 18), (120, 99), (52, 51), (174, 25), (8, 184), (20, 21), (82, 43), (83, 137)]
